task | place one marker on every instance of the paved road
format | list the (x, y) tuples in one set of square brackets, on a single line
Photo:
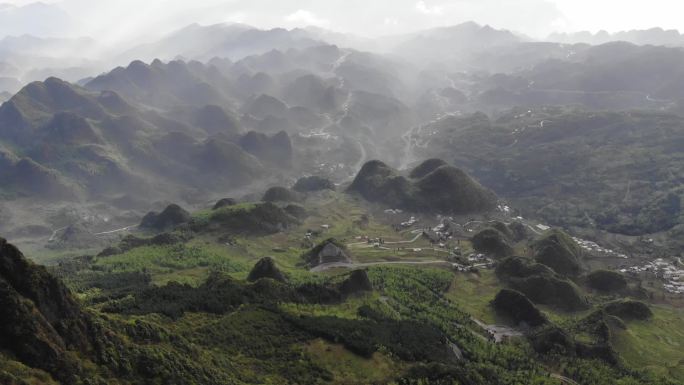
[(55, 232), (117, 230)]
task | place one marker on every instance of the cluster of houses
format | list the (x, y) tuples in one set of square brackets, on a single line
[(412, 221), (504, 208), (316, 233), (475, 261), (594, 248), (673, 276)]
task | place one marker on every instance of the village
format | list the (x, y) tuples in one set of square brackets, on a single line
[(671, 273), (446, 241)]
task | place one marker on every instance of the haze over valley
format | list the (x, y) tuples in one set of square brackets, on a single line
[(233, 193)]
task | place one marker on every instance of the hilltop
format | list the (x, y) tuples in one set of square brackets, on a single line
[(432, 186)]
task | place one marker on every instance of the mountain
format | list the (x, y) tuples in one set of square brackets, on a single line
[(166, 85), (275, 150), (544, 160), (652, 36), (434, 187), (234, 41), (72, 141), (454, 44), (47, 324)]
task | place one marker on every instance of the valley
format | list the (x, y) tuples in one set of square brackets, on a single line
[(228, 204)]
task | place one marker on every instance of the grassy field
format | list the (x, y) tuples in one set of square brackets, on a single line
[(473, 293), (264, 347), (349, 368), (657, 344)]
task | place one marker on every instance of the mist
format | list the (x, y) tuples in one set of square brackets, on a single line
[(341, 192)]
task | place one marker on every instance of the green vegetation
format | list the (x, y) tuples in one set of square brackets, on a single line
[(444, 189), (313, 183), (606, 281), (281, 194), (492, 241), (558, 251), (655, 344), (161, 260), (201, 305), (518, 308), (624, 180)]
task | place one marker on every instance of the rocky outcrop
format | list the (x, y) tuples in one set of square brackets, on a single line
[(260, 219), (328, 251), (606, 281), (519, 267), (558, 250), (519, 308), (130, 242), (426, 167), (493, 242), (450, 190), (275, 150), (75, 236), (541, 284), (296, 211), (225, 202), (265, 268), (281, 194), (551, 290), (172, 216), (629, 310), (357, 282), (378, 182), (444, 189)]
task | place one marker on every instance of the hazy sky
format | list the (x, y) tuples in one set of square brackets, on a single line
[(122, 20)]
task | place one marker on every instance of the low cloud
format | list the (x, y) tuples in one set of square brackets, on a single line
[(423, 8), (305, 17)]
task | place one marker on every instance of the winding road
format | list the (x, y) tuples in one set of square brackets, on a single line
[(117, 230), (55, 232)]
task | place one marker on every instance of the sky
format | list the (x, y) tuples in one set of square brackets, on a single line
[(145, 20)]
